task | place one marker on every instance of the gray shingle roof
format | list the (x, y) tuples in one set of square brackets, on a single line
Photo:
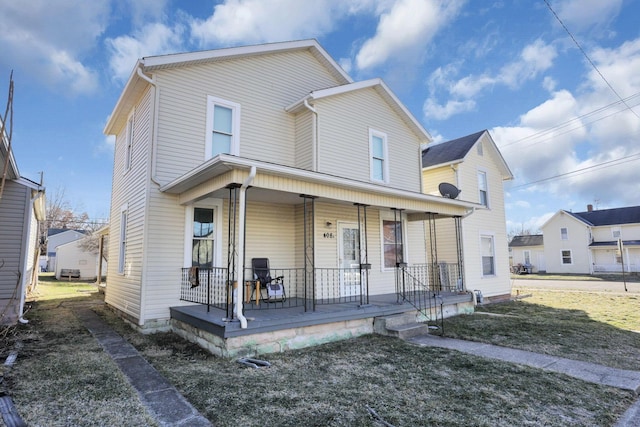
[(529, 240), (449, 151), (628, 215)]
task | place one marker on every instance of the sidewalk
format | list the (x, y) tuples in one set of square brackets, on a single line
[(162, 400), (591, 372)]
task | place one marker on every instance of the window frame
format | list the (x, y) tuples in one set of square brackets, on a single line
[(404, 245), (385, 159), (562, 257), (216, 205), (129, 139), (564, 235), (526, 254), (492, 238), (483, 173), (122, 249), (234, 148), (615, 230)]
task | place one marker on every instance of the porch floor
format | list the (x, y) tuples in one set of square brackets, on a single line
[(274, 318)]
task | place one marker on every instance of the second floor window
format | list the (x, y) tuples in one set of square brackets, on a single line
[(378, 151), (129, 142), (482, 189), (223, 119), (564, 233)]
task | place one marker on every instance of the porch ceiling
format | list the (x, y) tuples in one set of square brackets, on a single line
[(282, 184)]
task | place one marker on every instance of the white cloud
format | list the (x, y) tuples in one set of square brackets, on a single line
[(152, 39), (257, 21), (433, 110), (583, 15), (406, 29), (50, 42), (534, 59)]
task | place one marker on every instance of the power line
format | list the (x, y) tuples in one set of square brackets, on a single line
[(589, 59)]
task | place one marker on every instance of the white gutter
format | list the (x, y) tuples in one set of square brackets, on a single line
[(238, 286), (314, 135)]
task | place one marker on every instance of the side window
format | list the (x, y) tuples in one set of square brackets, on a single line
[(129, 143), (223, 127), (479, 148), (615, 232), (392, 241), (202, 242), (488, 256), (527, 257), (123, 240), (483, 193), (564, 233), (566, 257), (378, 152)]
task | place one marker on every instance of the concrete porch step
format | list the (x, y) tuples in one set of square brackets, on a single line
[(408, 330), (403, 325)]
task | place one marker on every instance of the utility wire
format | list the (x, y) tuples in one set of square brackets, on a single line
[(589, 59)]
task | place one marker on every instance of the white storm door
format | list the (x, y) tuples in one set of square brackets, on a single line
[(349, 258)]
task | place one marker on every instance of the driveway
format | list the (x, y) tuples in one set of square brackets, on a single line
[(578, 285)]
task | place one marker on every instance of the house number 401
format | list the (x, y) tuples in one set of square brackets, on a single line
[(328, 236)]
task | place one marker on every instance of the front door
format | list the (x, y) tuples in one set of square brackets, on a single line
[(349, 258)]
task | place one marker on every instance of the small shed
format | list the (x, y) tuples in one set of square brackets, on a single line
[(76, 261)]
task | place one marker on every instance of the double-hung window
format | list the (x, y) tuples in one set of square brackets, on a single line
[(129, 144), (223, 127), (483, 193), (564, 233), (379, 156), (392, 242), (566, 257), (202, 243), (123, 240), (488, 255)]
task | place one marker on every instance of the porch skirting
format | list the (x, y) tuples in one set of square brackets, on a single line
[(278, 330)]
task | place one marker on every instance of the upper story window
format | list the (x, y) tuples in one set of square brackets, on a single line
[(379, 156), (564, 233), (123, 240), (616, 233), (223, 127), (129, 143), (479, 148), (483, 192)]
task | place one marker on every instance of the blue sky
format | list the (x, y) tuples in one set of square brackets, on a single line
[(459, 66)]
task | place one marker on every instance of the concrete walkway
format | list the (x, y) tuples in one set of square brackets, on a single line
[(160, 398), (591, 372)]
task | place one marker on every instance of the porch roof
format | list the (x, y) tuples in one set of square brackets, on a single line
[(614, 243), (284, 184)]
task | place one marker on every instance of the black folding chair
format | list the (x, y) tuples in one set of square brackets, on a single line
[(263, 280)]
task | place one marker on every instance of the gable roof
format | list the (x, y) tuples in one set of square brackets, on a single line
[(455, 150), (12, 173), (616, 216), (529, 240), (54, 231), (138, 81), (382, 89)]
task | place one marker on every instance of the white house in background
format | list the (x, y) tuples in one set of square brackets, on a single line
[(588, 242), (73, 256), (57, 237), (528, 251), (273, 151), (22, 205), (474, 165)]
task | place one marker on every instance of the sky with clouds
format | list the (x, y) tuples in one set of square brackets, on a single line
[(556, 82)]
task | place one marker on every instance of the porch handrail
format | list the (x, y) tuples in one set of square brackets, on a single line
[(206, 285)]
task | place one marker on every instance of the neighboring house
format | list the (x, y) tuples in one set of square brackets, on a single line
[(22, 205), (588, 242), (273, 151), (474, 165), (528, 251), (57, 237), (75, 256)]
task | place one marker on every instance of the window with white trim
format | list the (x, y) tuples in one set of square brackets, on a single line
[(223, 127), (392, 243), (527, 257), (202, 239), (123, 240), (566, 257), (479, 148), (129, 143), (488, 255), (564, 233), (616, 233), (378, 156), (483, 193)]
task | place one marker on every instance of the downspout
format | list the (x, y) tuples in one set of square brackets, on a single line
[(143, 286), (314, 136), (239, 285)]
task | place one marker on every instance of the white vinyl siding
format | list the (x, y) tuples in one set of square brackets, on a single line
[(304, 140), (13, 211), (122, 244), (433, 177)]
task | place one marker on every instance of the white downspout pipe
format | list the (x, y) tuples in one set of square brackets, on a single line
[(239, 284), (314, 136)]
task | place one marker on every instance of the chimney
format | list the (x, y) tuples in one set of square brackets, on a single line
[(589, 208)]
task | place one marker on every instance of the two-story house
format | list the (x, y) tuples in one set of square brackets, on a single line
[(225, 157), (22, 205), (593, 241), (475, 166)]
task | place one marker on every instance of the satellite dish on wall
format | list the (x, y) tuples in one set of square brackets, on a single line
[(449, 191)]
